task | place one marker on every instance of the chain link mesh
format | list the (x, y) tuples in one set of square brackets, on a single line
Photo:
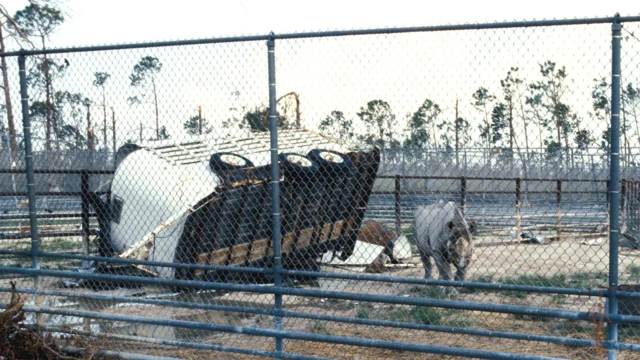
[(477, 156)]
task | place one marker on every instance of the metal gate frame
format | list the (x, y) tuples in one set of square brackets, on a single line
[(612, 294)]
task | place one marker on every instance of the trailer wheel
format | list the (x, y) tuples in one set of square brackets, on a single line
[(299, 167), (332, 161), (228, 162)]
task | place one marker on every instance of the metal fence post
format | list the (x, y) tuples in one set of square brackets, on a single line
[(623, 195), (84, 190), (404, 169), (636, 207), (31, 191), (464, 154), (559, 210), (595, 178), (614, 168), (463, 195), (275, 191), (518, 204), (397, 205)]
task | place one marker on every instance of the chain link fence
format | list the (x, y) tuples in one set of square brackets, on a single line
[(391, 193)]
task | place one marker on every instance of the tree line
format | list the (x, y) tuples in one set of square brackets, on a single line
[(58, 115), (66, 119), (540, 109), (520, 116)]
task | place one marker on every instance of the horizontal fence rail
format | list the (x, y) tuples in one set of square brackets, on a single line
[(399, 30), (236, 195)]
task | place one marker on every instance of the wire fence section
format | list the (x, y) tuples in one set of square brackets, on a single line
[(384, 193)]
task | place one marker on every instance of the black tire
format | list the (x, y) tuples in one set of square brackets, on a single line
[(330, 162), (229, 162), (329, 158), (298, 167)]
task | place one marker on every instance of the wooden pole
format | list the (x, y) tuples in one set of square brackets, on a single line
[(457, 128), (90, 139), (199, 119), (397, 205), (113, 123), (84, 189), (623, 203), (104, 123), (463, 195), (637, 203), (559, 213), (518, 204), (78, 136)]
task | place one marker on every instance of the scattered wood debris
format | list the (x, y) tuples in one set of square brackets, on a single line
[(20, 342)]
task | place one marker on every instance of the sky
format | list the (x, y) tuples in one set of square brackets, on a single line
[(91, 22), (329, 74)]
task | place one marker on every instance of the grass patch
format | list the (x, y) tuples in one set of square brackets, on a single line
[(61, 244), (460, 322), (628, 332), (532, 318), (45, 263), (18, 262), (585, 280), (431, 292), (559, 280), (419, 315), (52, 267), (416, 314), (456, 318), (567, 328), (362, 313), (17, 265), (485, 279), (634, 272), (558, 299), (581, 280), (320, 327)]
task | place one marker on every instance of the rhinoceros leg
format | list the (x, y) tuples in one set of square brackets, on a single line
[(461, 273), (426, 263), (444, 269), (428, 267)]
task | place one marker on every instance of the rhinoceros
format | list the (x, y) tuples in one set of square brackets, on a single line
[(442, 232)]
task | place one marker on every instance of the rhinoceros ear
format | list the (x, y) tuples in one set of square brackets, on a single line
[(450, 225), (473, 227)]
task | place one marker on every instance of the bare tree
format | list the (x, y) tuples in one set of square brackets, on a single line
[(90, 136), (144, 77), (481, 99), (100, 81), (9, 29), (40, 21)]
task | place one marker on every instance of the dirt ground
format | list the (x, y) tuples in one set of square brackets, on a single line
[(568, 262)]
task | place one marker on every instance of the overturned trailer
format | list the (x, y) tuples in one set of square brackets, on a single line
[(208, 201)]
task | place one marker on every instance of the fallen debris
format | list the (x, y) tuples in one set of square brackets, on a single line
[(20, 342), (528, 236), (378, 265), (630, 239), (593, 242), (365, 253)]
